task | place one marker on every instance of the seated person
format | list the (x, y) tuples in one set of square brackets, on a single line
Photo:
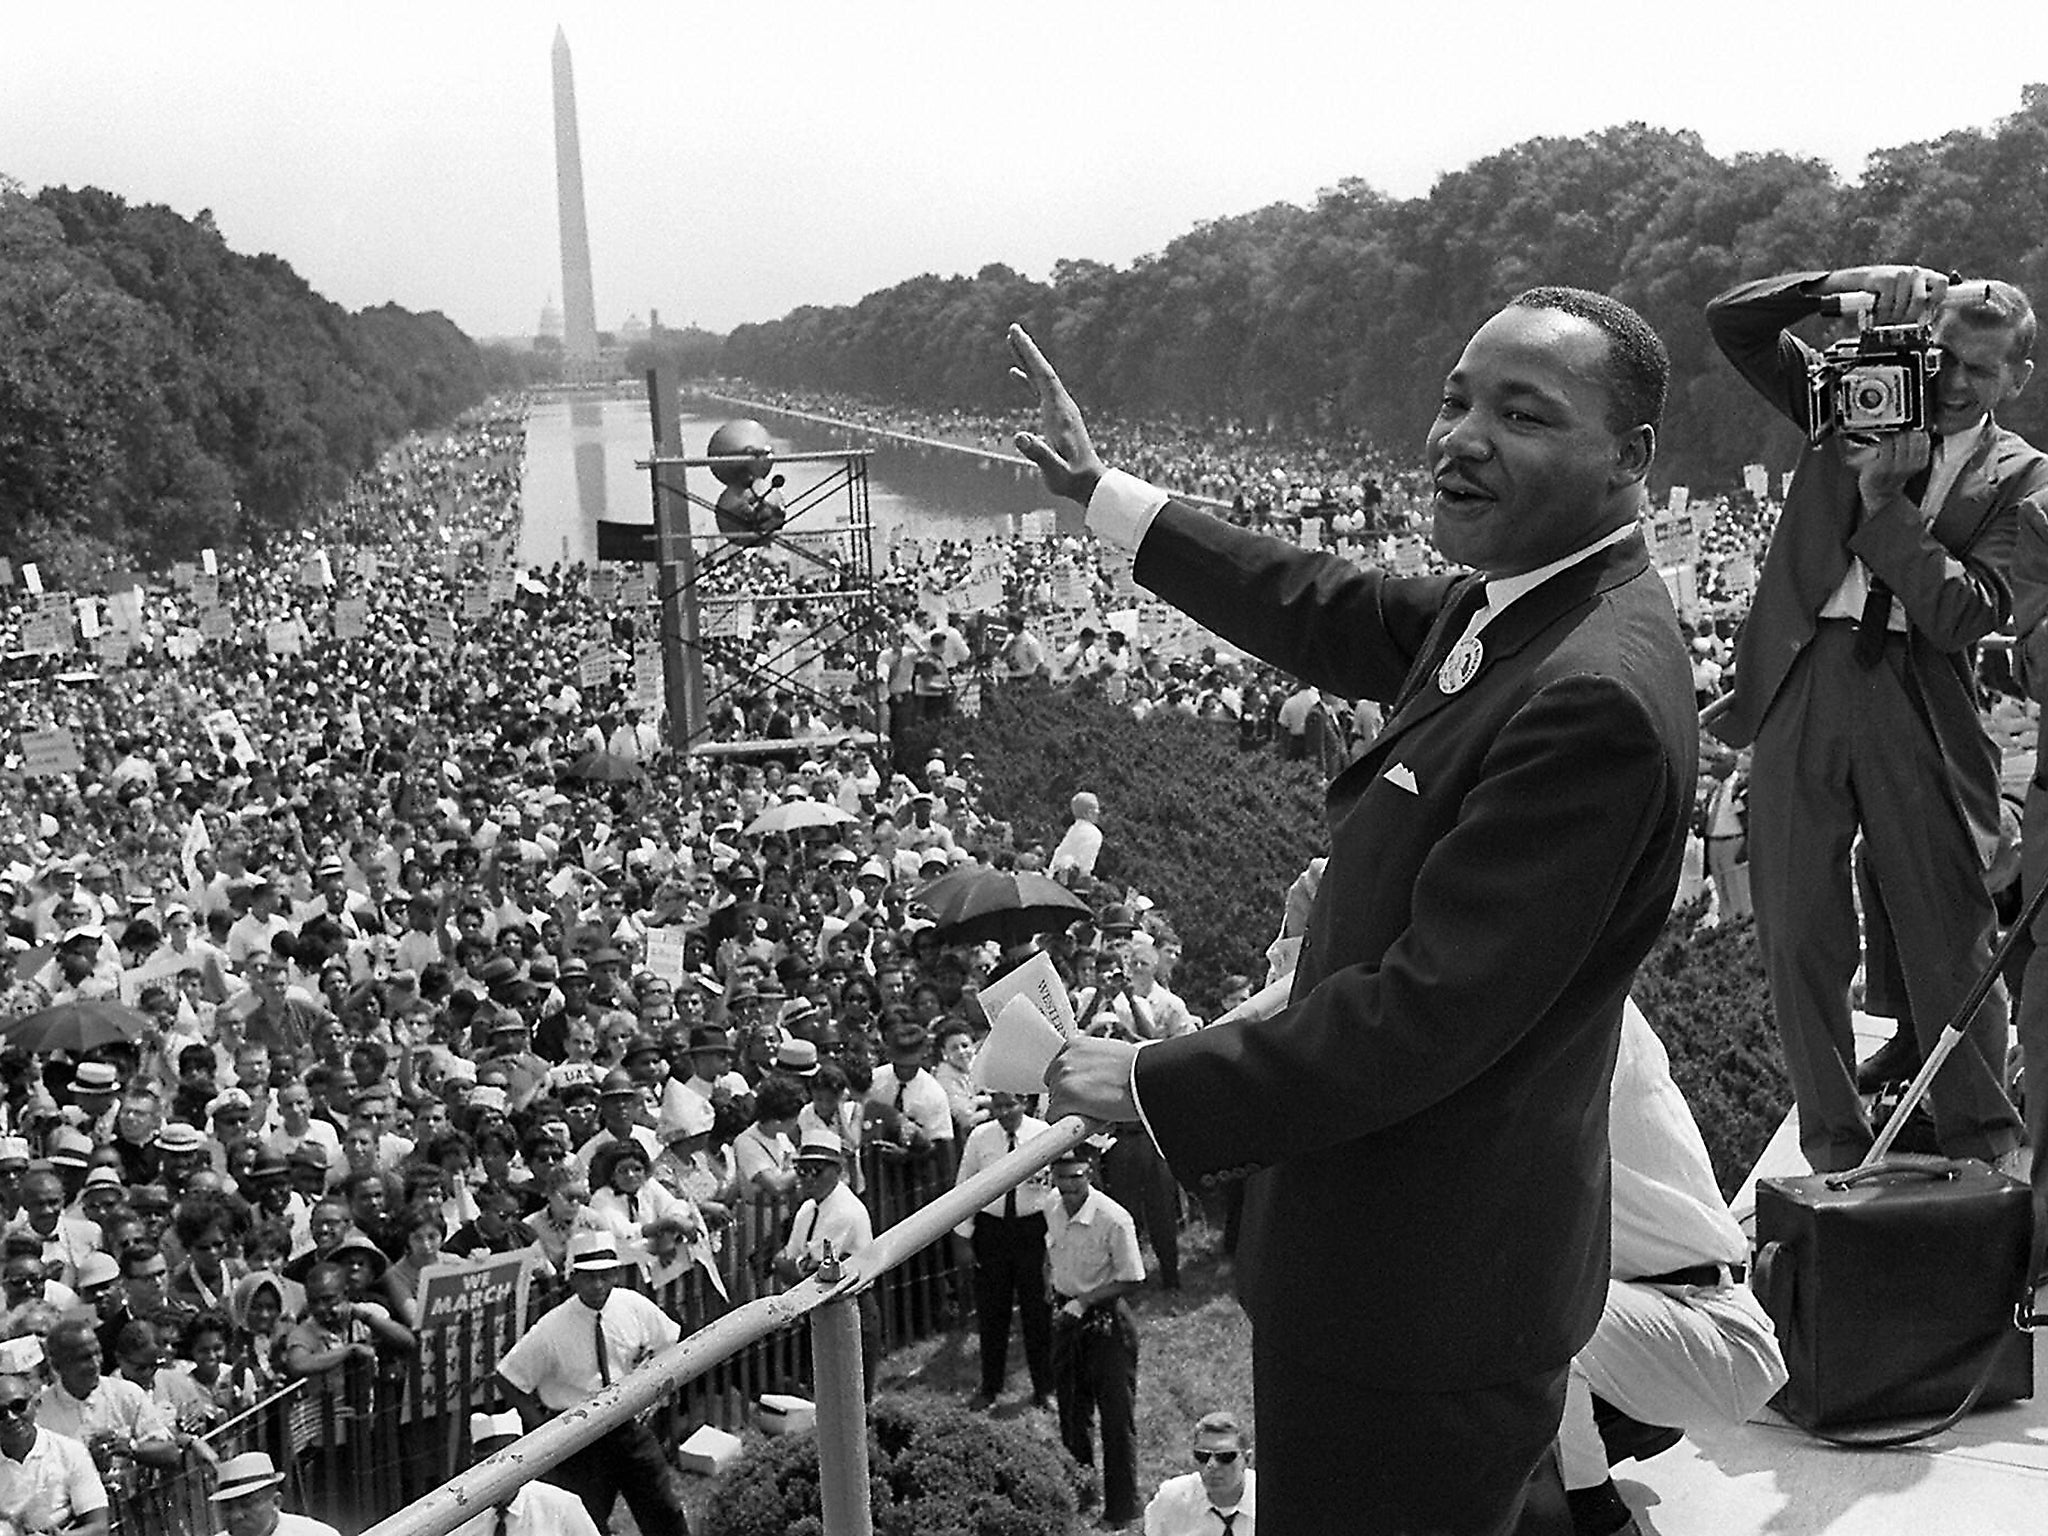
[(1681, 1341)]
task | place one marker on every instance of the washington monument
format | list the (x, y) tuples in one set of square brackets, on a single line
[(579, 305)]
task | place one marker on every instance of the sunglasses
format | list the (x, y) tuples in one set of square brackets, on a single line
[(1221, 1458), (14, 1407)]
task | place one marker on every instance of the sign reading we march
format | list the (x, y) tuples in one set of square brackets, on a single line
[(474, 1308)]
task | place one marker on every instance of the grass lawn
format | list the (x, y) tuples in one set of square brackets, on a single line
[(1194, 1357)]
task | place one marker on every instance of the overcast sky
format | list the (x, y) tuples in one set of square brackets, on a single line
[(742, 159)]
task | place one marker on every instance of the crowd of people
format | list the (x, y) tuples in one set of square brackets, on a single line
[(396, 986), (359, 919)]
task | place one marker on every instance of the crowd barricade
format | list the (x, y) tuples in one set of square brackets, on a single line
[(364, 1440), (178, 1501)]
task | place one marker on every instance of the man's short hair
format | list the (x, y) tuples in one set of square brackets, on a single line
[(1638, 367), (2004, 307), (1221, 1423)]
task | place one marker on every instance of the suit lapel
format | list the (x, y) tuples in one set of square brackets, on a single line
[(1970, 499)]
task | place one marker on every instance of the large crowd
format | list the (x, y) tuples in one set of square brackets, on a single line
[(430, 948), (331, 956)]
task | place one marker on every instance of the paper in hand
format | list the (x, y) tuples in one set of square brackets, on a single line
[(1020, 1046), (1037, 980)]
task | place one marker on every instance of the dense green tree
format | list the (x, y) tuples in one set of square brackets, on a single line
[(1342, 317), (160, 392)]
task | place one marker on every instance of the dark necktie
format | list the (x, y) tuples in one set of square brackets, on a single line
[(1010, 1197), (604, 1365), (811, 1231), (504, 1518), (1228, 1520), (1876, 621), (902, 1085)]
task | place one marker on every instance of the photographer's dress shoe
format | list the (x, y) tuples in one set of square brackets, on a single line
[(1896, 1061)]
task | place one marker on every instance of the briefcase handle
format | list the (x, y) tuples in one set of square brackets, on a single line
[(1919, 1163)]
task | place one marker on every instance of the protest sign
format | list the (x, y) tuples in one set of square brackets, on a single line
[(1681, 498), (604, 587), (215, 623), (208, 563), (594, 666), (42, 635), (6, 572), (476, 601), (31, 578), (124, 611), (636, 590), (205, 589), (1756, 480), (440, 634), (47, 753), (665, 954), (474, 1309), (284, 637), (351, 618)]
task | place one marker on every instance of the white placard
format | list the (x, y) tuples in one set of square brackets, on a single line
[(49, 752), (1756, 480)]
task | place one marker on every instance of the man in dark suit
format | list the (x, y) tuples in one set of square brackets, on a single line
[(1855, 679), (1425, 1234)]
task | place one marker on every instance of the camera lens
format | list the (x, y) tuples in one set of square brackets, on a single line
[(1870, 397)]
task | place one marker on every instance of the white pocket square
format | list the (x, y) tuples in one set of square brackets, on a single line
[(1404, 776)]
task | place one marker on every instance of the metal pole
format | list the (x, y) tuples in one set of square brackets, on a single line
[(682, 666), (842, 1412)]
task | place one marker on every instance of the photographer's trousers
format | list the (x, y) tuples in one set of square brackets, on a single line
[(1847, 748)]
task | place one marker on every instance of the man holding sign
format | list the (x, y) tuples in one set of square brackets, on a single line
[(1425, 1240)]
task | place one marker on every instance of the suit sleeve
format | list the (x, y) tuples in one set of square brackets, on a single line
[(1352, 631), (1750, 324), (1574, 789), (2030, 598), (1955, 600)]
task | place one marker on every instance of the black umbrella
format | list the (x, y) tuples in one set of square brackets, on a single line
[(79, 1025), (977, 903), (606, 768)]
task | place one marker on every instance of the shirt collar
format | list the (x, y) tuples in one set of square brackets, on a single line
[(1964, 443), (1502, 590)]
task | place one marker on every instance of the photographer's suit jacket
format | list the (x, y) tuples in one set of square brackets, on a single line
[(1426, 1121), (1952, 585)]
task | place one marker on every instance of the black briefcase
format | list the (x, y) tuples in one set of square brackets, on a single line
[(1894, 1289)]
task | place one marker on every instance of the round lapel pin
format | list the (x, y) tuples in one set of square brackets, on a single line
[(1462, 665)]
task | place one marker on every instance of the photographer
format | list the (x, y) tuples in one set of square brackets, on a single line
[(1854, 680)]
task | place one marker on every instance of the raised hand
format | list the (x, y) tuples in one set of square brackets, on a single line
[(1060, 447)]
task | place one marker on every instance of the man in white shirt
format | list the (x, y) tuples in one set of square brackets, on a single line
[(1094, 1264), (1008, 1235), (831, 1220), (1081, 845), (47, 1480), (575, 1351), (110, 1411), (535, 1508), (1681, 1342), (248, 1495), (1220, 1497), (911, 1091)]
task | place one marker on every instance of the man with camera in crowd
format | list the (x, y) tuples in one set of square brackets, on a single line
[(1855, 674)]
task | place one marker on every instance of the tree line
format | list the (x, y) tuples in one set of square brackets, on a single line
[(1341, 319), (160, 392)]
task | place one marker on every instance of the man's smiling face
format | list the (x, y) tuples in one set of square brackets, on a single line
[(1526, 466)]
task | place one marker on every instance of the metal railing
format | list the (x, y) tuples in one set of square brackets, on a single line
[(827, 1299)]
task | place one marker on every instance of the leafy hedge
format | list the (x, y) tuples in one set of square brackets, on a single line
[(933, 1471), (1703, 990), (1213, 834)]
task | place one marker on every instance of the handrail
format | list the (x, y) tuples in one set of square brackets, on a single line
[(492, 1481)]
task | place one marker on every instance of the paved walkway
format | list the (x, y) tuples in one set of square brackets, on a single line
[(1986, 1477)]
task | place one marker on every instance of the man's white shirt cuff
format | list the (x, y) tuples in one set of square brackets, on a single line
[(1122, 508), (1135, 1104)]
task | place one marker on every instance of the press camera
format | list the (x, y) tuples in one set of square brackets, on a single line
[(1875, 382)]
